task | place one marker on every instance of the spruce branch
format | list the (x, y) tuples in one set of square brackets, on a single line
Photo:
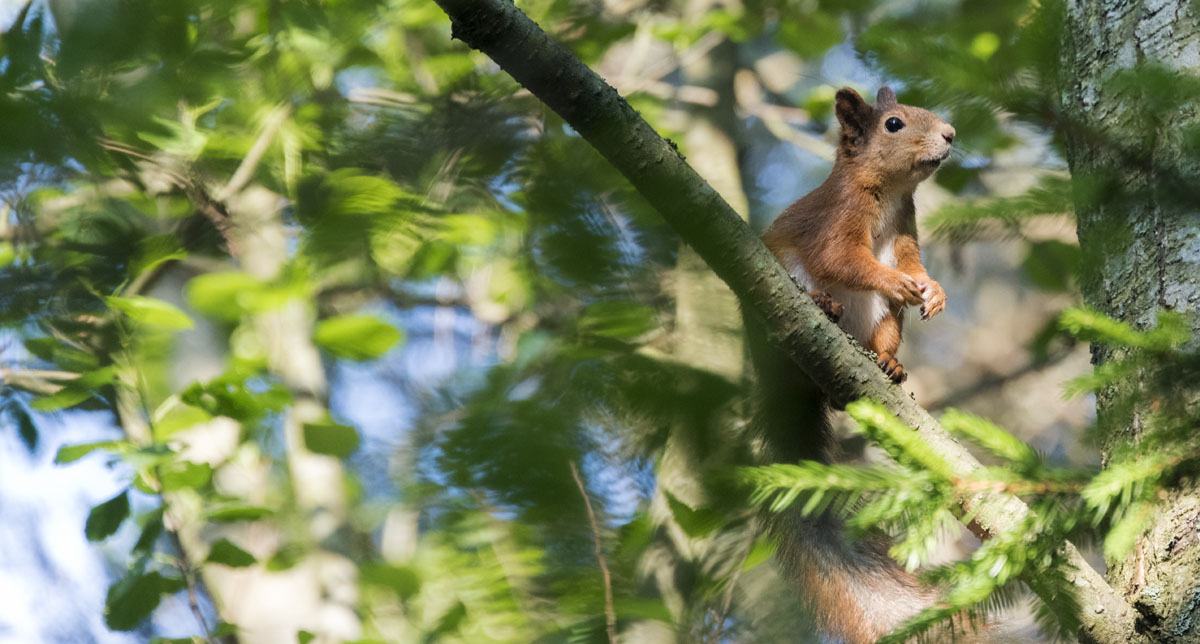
[(706, 222)]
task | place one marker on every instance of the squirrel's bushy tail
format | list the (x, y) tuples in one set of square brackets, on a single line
[(854, 590)]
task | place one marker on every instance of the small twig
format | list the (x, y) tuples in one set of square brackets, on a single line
[(189, 579), (36, 381), (610, 612)]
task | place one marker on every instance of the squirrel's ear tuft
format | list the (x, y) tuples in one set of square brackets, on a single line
[(855, 117), (885, 99)]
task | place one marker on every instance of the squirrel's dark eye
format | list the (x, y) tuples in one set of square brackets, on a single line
[(893, 124)]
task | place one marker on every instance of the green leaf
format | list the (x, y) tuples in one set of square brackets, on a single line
[(26, 429), (990, 436), (222, 295), (357, 337), (71, 453), (229, 295), (151, 312), (963, 220), (237, 512), (810, 35), (1052, 265), (450, 621), (226, 553), (106, 518), (696, 523), (1124, 533), (180, 475), (618, 319), (762, 550), (333, 439), (152, 528), (1085, 324), (174, 416), (642, 608), (131, 600), (900, 441), (1126, 480), (400, 579), (286, 557), (64, 398)]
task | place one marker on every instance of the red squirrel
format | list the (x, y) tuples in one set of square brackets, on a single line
[(852, 243)]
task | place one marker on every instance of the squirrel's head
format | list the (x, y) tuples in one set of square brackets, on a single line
[(899, 144)]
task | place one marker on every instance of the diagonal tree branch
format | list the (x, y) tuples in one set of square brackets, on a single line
[(655, 167)]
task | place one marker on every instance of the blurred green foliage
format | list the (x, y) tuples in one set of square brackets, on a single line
[(404, 162)]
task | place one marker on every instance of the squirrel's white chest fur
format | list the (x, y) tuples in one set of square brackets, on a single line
[(862, 310)]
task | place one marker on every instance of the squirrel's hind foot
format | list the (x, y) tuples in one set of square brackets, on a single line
[(892, 368)]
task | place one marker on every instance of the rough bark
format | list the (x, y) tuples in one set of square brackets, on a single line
[(1142, 254), (734, 252)]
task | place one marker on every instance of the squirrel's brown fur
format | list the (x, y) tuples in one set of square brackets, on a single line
[(853, 240), (852, 244)]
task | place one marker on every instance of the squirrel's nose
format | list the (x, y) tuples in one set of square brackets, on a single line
[(948, 134)]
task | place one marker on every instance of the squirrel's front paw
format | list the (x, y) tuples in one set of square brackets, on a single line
[(901, 289), (933, 298)]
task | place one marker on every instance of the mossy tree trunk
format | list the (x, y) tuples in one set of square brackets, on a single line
[(1141, 249)]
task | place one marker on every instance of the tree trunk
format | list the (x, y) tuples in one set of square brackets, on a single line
[(1142, 255)]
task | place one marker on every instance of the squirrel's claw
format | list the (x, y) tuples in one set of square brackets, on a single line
[(892, 368), (933, 299)]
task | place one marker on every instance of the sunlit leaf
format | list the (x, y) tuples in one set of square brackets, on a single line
[(234, 512), (762, 550), (70, 453), (65, 398), (357, 337), (178, 475), (400, 579), (221, 295), (151, 312), (173, 416)]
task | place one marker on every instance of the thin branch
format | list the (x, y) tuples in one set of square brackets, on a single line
[(184, 564), (706, 222), (610, 611), (193, 188), (36, 381)]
